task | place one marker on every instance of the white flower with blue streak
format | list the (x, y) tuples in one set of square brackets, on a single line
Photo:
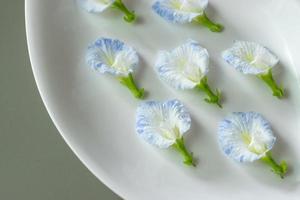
[(254, 59), (98, 6), (247, 137), (250, 58), (186, 67), (163, 124), (185, 11), (95, 6), (112, 56)]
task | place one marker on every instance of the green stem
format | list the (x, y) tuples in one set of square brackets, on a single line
[(129, 15), (188, 157), (205, 21), (212, 98), (279, 169), (269, 80), (128, 82)]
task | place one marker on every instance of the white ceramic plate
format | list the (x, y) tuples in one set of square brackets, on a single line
[(96, 115)]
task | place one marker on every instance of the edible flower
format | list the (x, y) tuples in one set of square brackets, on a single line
[(98, 6), (186, 67), (163, 125), (185, 11), (254, 59), (112, 56), (247, 137)]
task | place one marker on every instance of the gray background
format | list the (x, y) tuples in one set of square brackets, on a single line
[(35, 162)]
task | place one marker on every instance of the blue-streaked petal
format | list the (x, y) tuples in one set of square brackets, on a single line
[(179, 11), (112, 56), (245, 136), (250, 57), (161, 123), (95, 6), (183, 67)]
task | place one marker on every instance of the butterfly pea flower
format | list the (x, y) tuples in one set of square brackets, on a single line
[(163, 125), (98, 6), (112, 56), (185, 11), (185, 68), (254, 59), (246, 137)]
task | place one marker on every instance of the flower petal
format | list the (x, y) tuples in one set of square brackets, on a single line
[(95, 6), (112, 56), (250, 57), (161, 123), (245, 136), (179, 11), (184, 67)]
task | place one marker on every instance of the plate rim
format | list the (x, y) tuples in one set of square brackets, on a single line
[(100, 175)]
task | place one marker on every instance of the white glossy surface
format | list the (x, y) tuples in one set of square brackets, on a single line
[(96, 115)]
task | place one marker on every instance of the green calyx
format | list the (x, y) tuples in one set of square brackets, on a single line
[(212, 98), (129, 16), (179, 146), (269, 80), (129, 82), (279, 169), (205, 21)]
